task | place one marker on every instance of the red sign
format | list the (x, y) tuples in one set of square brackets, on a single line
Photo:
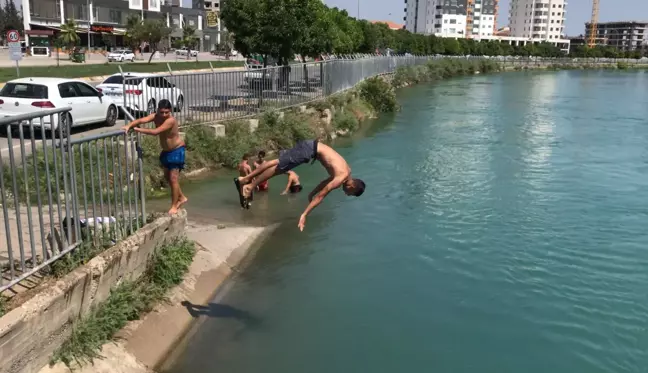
[(13, 36), (102, 28)]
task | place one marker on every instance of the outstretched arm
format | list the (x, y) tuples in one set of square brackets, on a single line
[(138, 122), (318, 188), (156, 131), (317, 199), (287, 186)]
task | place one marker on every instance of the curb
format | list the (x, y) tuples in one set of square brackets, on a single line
[(100, 78)]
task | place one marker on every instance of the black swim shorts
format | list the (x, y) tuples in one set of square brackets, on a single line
[(302, 152)]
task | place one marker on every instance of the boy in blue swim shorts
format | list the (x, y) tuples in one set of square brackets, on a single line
[(172, 157)]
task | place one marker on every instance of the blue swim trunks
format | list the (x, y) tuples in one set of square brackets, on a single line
[(173, 159)]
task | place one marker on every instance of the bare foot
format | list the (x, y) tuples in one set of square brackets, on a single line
[(182, 201), (173, 210), (247, 190)]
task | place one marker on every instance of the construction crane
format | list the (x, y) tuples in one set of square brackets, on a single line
[(591, 41)]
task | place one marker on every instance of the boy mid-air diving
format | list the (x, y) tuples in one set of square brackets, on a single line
[(303, 152), (172, 156)]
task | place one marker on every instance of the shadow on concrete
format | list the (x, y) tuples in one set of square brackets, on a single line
[(217, 310)]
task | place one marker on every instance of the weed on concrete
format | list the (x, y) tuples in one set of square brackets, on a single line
[(127, 302), (3, 305)]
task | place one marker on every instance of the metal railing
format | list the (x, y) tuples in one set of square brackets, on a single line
[(58, 193), (212, 96)]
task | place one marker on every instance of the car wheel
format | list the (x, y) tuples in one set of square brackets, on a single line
[(111, 116), (180, 103), (64, 127), (150, 107), (133, 59)]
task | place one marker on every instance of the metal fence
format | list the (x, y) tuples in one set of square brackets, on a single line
[(208, 97), (59, 193)]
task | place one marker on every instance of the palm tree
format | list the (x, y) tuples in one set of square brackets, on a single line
[(188, 38), (69, 36)]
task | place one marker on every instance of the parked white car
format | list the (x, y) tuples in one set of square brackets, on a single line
[(31, 95), (185, 51), (121, 55), (141, 92)]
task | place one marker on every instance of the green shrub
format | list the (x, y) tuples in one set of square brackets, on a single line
[(379, 94), (622, 65), (238, 140), (126, 303), (345, 120)]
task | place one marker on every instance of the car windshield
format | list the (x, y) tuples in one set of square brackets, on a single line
[(118, 79), (24, 90)]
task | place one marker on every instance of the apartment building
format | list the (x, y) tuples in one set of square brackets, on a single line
[(539, 20), (623, 35), (452, 18), (102, 23)]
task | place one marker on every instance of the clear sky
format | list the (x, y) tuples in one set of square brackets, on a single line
[(578, 11)]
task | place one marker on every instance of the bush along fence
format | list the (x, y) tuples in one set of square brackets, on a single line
[(60, 194)]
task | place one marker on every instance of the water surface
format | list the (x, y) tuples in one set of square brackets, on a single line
[(503, 229)]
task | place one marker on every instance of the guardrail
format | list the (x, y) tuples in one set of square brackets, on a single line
[(59, 194), (214, 96)]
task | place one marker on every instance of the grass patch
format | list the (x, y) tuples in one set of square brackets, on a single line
[(127, 302), (379, 94), (345, 120), (85, 70)]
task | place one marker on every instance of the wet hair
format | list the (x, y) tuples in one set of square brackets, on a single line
[(164, 104), (295, 188), (262, 154), (358, 187), (245, 157)]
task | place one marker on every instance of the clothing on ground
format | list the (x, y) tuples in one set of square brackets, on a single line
[(173, 159), (302, 152)]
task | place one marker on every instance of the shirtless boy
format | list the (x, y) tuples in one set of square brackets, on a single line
[(293, 185), (244, 168), (304, 152), (172, 156), (259, 163)]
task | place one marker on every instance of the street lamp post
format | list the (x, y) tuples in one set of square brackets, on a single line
[(88, 15)]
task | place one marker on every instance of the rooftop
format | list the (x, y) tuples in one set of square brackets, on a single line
[(391, 25)]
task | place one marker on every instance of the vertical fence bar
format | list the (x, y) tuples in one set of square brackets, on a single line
[(75, 194), (5, 212), (121, 185), (38, 190), (85, 192), (140, 171), (101, 198), (105, 158), (130, 208), (12, 162), (30, 224), (133, 162), (114, 177), (92, 186), (64, 170), (48, 180)]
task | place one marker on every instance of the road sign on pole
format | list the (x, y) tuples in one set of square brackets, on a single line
[(15, 49)]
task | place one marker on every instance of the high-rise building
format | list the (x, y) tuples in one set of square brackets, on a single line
[(452, 18), (538, 20), (624, 35)]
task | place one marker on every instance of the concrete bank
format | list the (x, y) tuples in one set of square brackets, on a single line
[(30, 333), (148, 344)]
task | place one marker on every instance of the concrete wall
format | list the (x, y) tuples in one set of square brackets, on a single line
[(30, 334)]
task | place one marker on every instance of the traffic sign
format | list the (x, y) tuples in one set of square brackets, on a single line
[(15, 51), (13, 36)]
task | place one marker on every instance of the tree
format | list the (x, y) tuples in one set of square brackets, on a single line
[(69, 37), (133, 35), (188, 38), (153, 32), (11, 20)]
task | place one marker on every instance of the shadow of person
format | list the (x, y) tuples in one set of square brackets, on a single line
[(217, 310)]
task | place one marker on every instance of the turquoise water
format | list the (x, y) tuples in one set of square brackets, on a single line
[(504, 229)]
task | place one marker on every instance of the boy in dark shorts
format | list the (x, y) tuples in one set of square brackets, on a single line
[(172, 157), (293, 185), (304, 152)]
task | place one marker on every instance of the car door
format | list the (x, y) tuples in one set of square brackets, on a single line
[(70, 97), (169, 91), (154, 89), (95, 107)]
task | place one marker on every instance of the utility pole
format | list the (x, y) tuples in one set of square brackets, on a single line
[(358, 10), (88, 15)]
